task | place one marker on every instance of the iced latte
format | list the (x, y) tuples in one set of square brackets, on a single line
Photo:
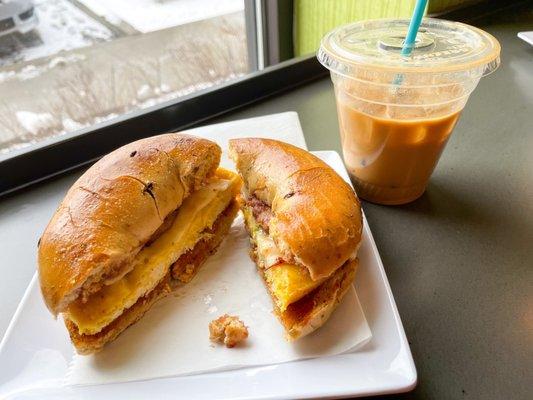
[(396, 113)]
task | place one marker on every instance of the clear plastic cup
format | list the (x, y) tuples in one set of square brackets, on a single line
[(396, 113)]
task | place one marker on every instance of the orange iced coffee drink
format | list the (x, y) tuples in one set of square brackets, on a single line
[(396, 113), (391, 160)]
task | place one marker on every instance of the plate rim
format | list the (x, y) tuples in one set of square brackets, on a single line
[(410, 381)]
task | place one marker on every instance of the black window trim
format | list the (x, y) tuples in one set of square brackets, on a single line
[(41, 161)]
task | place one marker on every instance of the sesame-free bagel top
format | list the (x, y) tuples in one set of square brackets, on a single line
[(114, 208), (316, 214)]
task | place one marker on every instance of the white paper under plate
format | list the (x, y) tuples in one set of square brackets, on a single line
[(36, 358)]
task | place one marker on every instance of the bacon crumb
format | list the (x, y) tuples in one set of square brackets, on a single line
[(227, 329)]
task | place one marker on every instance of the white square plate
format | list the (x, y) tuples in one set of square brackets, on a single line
[(526, 37), (35, 353)]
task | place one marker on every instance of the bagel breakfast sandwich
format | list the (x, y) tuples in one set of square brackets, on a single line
[(134, 226), (305, 226)]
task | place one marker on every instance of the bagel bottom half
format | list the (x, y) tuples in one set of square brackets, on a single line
[(313, 310), (181, 272)]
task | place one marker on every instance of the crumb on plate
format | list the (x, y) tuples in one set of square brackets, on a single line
[(227, 329)]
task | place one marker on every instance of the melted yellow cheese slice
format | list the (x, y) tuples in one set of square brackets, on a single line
[(287, 282), (198, 212)]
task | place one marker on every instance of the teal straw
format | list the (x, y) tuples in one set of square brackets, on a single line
[(414, 25)]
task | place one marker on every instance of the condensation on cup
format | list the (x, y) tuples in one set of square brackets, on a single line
[(396, 113)]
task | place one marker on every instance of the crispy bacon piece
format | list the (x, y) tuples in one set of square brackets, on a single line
[(227, 329)]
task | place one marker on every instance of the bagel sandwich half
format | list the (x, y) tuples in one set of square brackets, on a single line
[(305, 226), (134, 226)]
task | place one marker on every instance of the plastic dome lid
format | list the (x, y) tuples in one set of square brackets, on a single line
[(441, 46)]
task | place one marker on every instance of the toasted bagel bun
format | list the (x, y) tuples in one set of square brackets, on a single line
[(113, 209), (316, 214)]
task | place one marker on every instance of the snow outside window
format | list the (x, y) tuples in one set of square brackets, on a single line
[(70, 64)]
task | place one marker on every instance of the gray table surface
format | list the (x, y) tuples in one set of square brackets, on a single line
[(459, 259)]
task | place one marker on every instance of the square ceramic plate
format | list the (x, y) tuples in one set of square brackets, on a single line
[(34, 354), (36, 351), (526, 36)]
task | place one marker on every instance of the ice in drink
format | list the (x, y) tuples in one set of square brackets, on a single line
[(397, 113)]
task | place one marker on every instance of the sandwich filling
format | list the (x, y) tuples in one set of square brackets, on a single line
[(301, 303), (286, 280), (192, 224)]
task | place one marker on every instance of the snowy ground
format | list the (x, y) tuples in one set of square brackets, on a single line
[(89, 85), (153, 15), (80, 81), (62, 26)]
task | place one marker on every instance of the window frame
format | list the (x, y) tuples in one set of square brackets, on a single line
[(54, 156), (269, 30)]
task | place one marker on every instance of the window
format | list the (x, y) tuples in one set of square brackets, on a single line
[(70, 64)]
